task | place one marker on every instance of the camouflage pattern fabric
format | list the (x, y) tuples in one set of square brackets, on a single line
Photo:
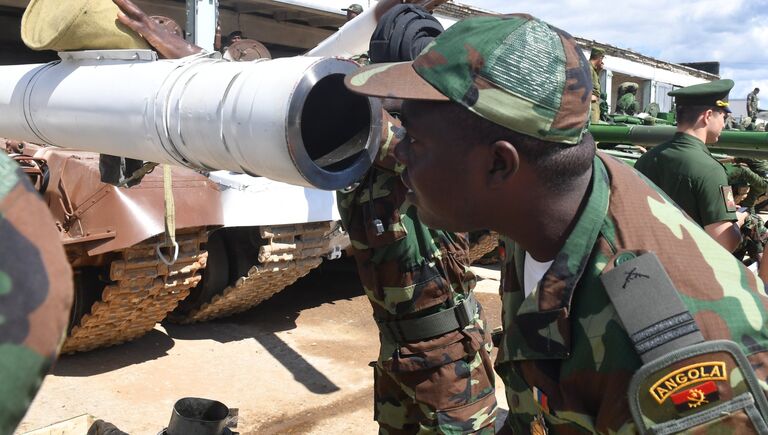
[(685, 169), (35, 293), (752, 103), (753, 238), (627, 105), (450, 69), (743, 174), (444, 384), (604, 109), (565, 357)]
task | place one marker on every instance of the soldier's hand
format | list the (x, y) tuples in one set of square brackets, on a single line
[(167, 44), (741, 217)]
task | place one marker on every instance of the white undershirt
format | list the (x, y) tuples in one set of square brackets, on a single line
[(533, 272)]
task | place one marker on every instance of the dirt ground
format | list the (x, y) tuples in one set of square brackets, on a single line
[(297, 363)]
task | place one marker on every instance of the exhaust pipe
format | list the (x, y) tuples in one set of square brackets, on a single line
[(288, 119)]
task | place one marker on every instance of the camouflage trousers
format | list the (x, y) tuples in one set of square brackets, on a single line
[(441, 386)]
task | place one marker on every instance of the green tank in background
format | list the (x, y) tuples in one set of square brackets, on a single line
[(740, 151), (735, 143)]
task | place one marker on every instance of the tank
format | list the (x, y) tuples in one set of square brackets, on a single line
[(241, 240), (241, 237), (732, 142)]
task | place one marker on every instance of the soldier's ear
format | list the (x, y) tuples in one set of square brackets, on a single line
[(504, 163)]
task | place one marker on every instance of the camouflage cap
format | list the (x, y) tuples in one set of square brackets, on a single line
[(713, 94), (596, 53), (354, 7), (514, 70)]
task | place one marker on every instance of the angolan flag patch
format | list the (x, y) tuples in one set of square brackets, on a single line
[(697, 396)]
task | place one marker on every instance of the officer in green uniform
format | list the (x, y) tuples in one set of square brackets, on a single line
[(685, 169), (35, 293), (596, 57), (620, 313)]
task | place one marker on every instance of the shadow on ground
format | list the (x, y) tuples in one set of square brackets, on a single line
[(151, 346), (331, 282)]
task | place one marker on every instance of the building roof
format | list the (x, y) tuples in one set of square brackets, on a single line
[(611, 50), (459, 11)]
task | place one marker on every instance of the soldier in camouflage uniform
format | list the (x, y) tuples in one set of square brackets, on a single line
[(35, 293), (434, 373), (627, 104), (487, 150), (437, 382), (752, 104), (742, 179)]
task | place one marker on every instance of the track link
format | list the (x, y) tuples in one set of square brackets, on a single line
[(143, 291), (290, 253)]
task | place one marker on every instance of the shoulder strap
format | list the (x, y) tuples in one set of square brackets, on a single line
[(649, 306)]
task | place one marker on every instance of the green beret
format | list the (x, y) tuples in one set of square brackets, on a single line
[(713, 94), (596, 52)]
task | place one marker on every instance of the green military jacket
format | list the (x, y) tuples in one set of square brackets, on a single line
[(565, 356), (687, 172), (595, 82), (35, 293)]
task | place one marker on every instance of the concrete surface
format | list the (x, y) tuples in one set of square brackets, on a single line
[(297, 363)]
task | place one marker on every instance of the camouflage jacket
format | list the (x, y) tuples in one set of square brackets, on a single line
[(409, 270), (565, 355), (627, 105), (752, 103), (35, 293), (753, 175)]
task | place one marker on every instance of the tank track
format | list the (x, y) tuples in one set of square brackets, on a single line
[(485, 244), (290, 253), (143, 291)]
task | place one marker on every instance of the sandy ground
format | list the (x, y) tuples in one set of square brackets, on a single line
[(297, 363)]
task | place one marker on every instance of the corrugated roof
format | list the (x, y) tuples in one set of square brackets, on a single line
[(459, 11), (611, 50)]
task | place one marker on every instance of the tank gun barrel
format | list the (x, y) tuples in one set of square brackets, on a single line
[(288, 119), (351, 39), (733, 142)]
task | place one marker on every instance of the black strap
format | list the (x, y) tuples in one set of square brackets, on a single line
[(649, 306), (458, 317)]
